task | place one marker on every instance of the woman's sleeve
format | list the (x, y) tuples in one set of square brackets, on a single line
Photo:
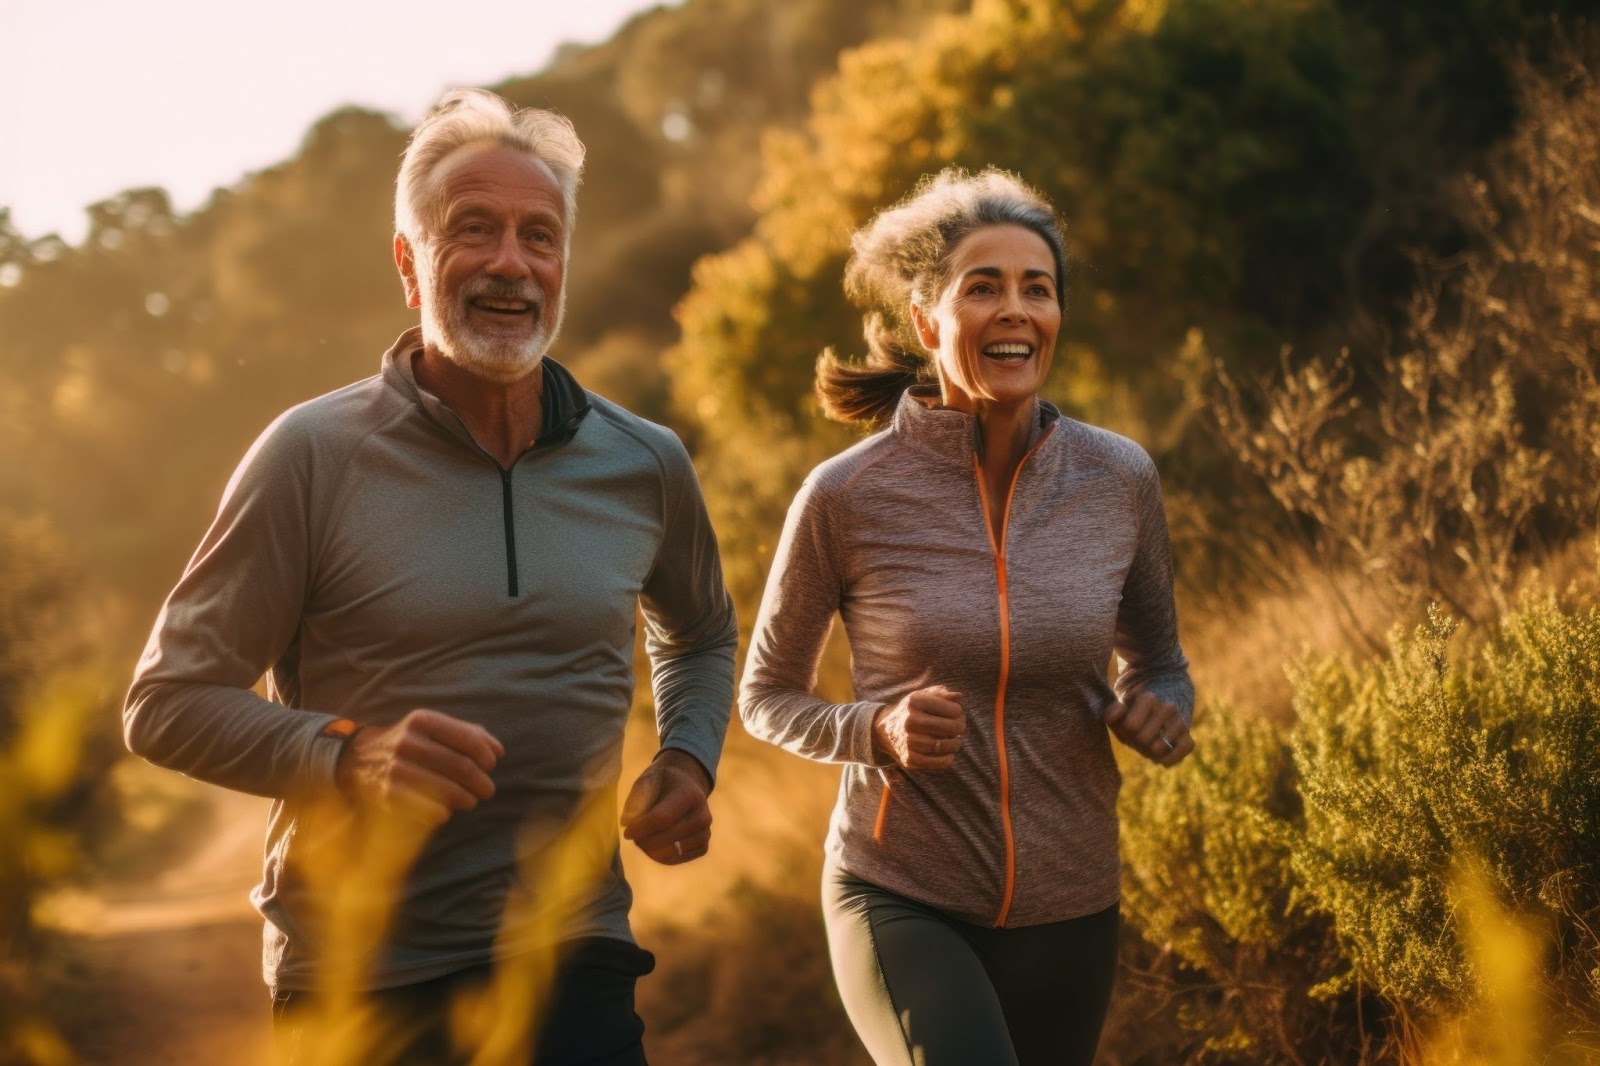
[(1150, 658), (804, 589)]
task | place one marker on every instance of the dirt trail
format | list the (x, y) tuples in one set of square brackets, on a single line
[(166, 972)]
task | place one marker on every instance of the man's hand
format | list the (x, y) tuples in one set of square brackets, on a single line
[(427, 765), (1152, 727), (666, 812), (923, 731)]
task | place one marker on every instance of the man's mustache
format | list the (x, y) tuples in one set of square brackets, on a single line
[(527, 290)]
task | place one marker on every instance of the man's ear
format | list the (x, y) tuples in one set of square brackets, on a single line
[(927, 329), (407, 265)]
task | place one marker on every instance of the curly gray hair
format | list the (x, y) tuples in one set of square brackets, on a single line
[(903, 257), (470, 116)]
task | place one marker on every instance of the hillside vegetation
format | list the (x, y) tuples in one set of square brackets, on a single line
[(1336, 265)]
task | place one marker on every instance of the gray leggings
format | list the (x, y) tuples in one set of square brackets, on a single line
[(925, 989)]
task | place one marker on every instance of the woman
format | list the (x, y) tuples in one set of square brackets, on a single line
[(987, 556)]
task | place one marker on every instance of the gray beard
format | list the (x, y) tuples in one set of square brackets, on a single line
[(444, 325)]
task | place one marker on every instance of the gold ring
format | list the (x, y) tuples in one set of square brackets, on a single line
[(938, 746)]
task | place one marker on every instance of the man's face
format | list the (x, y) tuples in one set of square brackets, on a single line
[(489, 276)]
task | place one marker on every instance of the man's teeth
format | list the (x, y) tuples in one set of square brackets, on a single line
[(502, 305)]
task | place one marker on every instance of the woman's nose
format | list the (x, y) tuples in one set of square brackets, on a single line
[(1013, 309)]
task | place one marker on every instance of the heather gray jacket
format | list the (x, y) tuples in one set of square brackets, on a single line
[(371, 559), (892, 535)]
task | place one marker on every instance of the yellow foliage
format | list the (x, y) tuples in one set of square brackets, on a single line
[(37, 1044), (1511, 1020), (357, 863), (46, 755), (500, 1024), (40, 765)]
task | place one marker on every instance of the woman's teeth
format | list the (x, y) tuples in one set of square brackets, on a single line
[(1008, 353)]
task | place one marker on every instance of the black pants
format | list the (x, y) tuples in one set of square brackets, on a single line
[(923, 988), (590, 1022)]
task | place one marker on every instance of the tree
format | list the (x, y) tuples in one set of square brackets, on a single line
[(1212, 159), (1473, 451)]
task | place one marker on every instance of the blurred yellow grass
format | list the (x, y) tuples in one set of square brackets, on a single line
[(358, 863), (36, 770), (1517, 1018), (499, 1025)]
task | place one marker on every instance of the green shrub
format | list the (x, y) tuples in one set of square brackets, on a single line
[(1308, 880), (1207, 848), (1208, 877), (1415, 766)]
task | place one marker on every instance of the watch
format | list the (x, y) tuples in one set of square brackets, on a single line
[(343, 730)]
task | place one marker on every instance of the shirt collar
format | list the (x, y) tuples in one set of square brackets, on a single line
[(562, 401), (950, 433)]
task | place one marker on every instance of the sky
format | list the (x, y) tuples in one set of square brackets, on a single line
[(97, 96)]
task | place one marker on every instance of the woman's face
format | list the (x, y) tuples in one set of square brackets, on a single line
[(993, 329)]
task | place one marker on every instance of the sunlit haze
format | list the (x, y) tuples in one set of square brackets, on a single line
[(98, 96)]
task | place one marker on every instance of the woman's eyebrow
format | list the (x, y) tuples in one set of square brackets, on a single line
[(995, 272)]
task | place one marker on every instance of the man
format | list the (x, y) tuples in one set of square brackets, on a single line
[(437, 568)]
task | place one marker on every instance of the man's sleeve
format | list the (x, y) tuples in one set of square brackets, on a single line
[(233, 615), (690, 629)]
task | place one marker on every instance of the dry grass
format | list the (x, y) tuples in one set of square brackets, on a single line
[(1238, 654)]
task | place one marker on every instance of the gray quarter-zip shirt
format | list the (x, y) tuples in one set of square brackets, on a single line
[(370, 558), (892, 535)]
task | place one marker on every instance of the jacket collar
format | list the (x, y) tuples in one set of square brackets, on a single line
[(949, 433), (562, 401)]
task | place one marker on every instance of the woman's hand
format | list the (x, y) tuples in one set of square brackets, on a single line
[(923, 731), (1152, 727)]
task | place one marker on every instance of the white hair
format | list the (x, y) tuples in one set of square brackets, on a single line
[(472, 116)]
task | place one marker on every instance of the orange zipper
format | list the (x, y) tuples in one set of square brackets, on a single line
[(998, 549), (883, 813)]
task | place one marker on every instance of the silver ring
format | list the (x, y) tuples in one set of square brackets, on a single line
[(677, 846), (1168, 741)]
